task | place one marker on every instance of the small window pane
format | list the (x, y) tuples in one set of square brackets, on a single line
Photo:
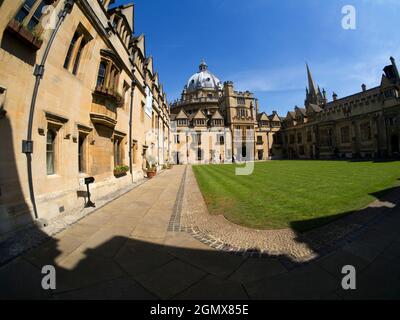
[(70, 50), (36, 16), (24, 11), (50, 152), (78, 57), (22, 14), (102, 74), (117, 153), (81, 155)]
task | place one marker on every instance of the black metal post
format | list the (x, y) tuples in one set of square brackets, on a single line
[(89, 203), (133, 85), (27, 145)]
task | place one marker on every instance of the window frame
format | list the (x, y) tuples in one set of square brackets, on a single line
[(118, 151), (54, 132), (76, 50), (104, 77), (31, 13), (78, 56), (342, 135), (363, 134), (69, 57), (82, 153)]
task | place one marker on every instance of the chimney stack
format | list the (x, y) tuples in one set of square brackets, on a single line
[(257, 107), (334, 96), (364, 87)]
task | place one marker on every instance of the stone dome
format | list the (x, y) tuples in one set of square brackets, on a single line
[(203, 79)]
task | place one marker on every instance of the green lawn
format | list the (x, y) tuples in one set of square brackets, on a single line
[(298, 194)]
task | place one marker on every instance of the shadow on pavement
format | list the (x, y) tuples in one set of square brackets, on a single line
[(109, 264)]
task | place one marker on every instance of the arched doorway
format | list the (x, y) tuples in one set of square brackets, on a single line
[(394, 142)]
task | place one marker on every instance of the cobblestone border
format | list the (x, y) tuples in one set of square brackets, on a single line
[(289, 261), (175, 221)]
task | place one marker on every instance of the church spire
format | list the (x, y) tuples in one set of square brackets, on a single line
[(311, 84)]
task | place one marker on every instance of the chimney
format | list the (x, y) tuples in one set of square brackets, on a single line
[(257, 107), (364, 87), (334, 96), (228, 88)]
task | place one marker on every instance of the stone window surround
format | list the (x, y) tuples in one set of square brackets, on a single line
[(125, 89), (32, 11), (118, 139), (121, 29), (365, 136), (182, 122), (84, 131), (56, 123), (112, 74), (299, 137), (75, 54), (345, 139), (135, 148)]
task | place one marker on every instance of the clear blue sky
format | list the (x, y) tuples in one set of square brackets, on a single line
[(262, 45)]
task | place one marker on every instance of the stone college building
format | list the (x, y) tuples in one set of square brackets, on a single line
[(79, 99), (213, 123), (363, 125)]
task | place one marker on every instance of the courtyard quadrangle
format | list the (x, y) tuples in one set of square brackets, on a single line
[(302, 195)]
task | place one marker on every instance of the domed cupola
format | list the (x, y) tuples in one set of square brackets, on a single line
[(203, 79)]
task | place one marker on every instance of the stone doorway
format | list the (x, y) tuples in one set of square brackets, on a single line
[(394, 143), (260, 154)]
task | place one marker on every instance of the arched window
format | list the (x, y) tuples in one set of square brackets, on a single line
[(50, 151), (78, 56), (70, 50), (75, 50)]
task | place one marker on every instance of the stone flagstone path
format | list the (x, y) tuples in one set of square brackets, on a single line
[(142, 246)]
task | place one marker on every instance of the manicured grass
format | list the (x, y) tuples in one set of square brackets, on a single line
[(299, 194)]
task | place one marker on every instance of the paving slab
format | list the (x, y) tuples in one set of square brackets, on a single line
[(171, 279), (21, 280), (53, 251), (214, 288), (81, 270), (119, 289), (136, 257), (126, 250), (392, 253), (379, 281), (254, 269), (334, 262), (310, 283), (213, 262)]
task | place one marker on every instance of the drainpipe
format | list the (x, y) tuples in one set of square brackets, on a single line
[(133, 85), (27, 145)]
